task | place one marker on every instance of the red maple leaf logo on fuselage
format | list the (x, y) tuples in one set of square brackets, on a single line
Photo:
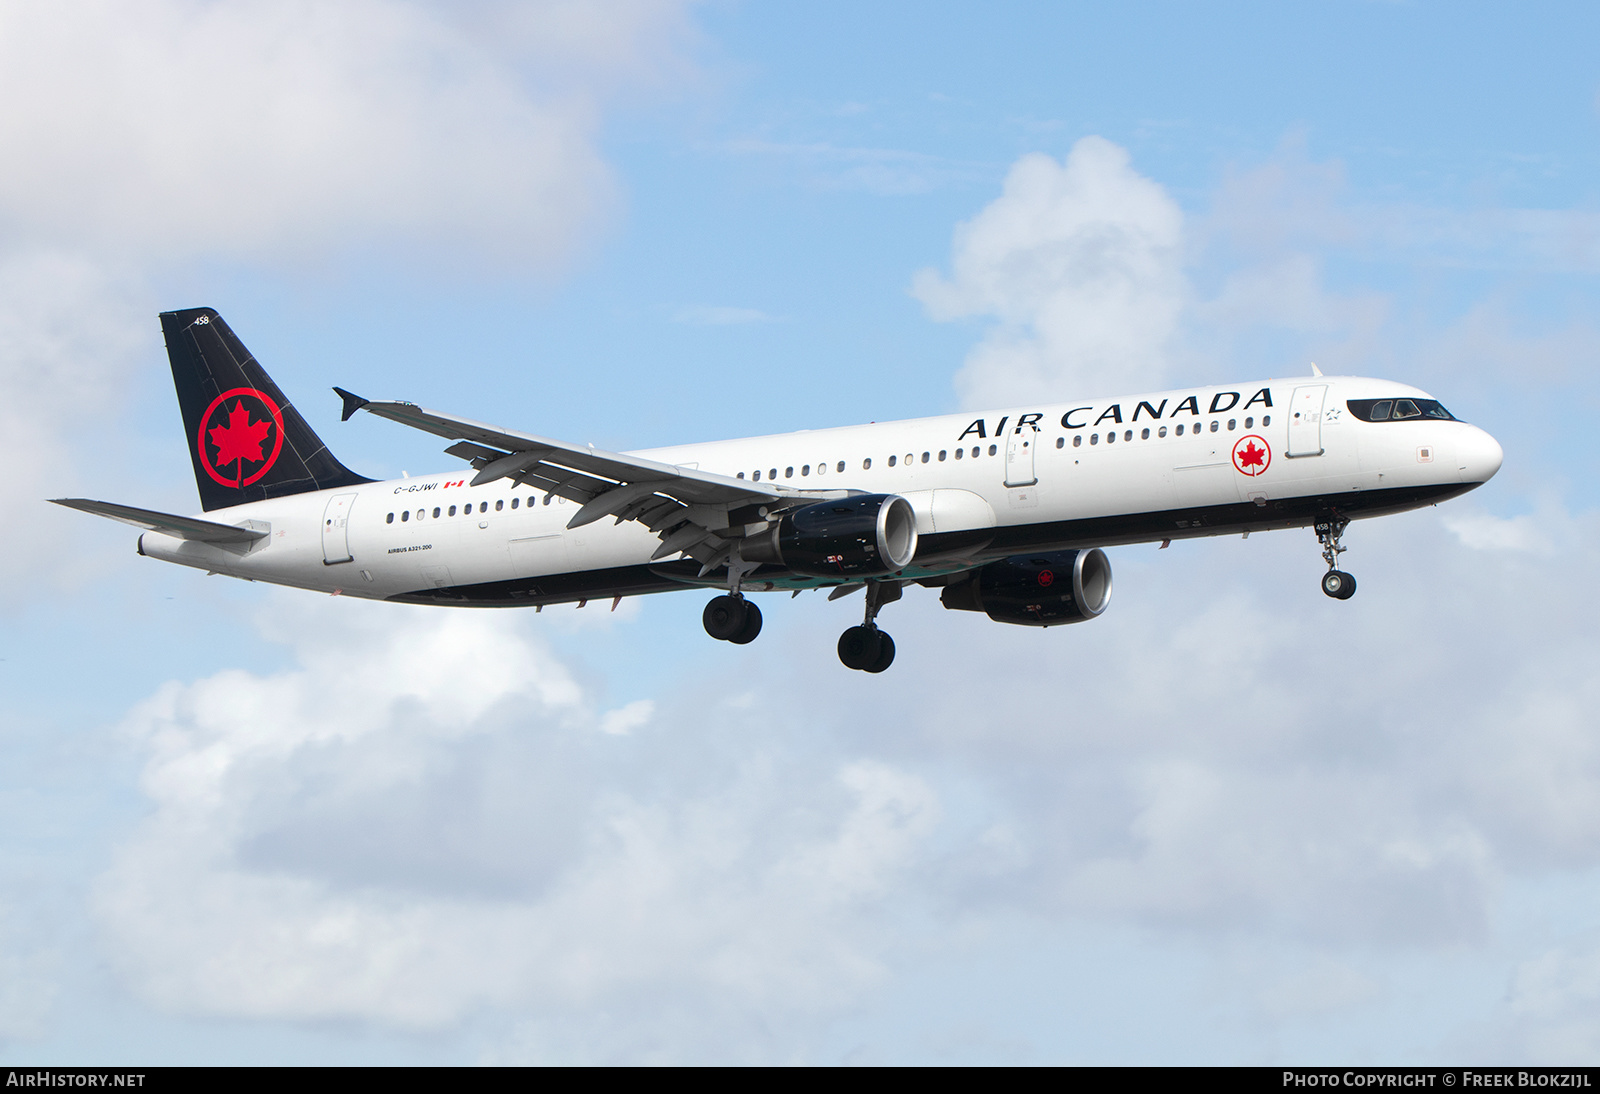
[(1251, 456), (240, 439)]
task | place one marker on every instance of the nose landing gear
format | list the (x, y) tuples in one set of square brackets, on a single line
[(1335, 583), (866, 647)]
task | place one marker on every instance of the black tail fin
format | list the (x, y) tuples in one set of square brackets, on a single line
[(246, 440)]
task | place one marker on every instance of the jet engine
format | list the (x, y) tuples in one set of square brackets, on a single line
[(1042, 590), (860, 536)]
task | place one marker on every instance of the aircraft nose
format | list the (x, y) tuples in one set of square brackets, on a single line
[(1479, 456)]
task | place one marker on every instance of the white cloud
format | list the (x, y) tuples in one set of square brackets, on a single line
[(1486, 532), (417, 820), (1080, 262), (626, 719), (292, 130)]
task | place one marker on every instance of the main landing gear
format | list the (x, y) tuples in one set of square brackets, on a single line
[(733, 619), (1336, 583), (866, 647)]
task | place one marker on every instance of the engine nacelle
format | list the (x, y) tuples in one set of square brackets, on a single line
[(859, 536), (1042, 590)]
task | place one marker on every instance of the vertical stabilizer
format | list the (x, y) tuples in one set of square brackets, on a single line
[(246, 440)]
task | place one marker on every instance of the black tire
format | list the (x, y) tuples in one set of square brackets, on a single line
[(751, 628), (724, 617), (885, 656), (1338, 584), (858, 647)]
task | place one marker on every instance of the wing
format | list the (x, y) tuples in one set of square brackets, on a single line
[(204, 531), (694, 512)]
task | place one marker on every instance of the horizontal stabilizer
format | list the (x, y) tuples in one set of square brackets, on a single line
[(205, 531)]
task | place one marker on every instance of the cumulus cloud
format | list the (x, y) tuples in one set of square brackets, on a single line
[(428, 815), (295, 129), (1080, 264)]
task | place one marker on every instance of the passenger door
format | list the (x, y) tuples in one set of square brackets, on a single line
[(1019, 456), (1305, 420), (336, 529)]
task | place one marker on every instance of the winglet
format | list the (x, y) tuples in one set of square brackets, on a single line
[(1315, 371), (352, 403)]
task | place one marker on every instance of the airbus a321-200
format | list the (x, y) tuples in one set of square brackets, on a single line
[(1005, 513)]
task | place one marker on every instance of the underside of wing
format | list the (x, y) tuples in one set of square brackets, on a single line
[(695, 513)]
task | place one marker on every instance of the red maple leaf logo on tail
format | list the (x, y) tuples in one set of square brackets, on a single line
[(240, 439)]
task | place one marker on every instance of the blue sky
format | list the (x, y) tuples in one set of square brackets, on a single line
[(1230, 822)]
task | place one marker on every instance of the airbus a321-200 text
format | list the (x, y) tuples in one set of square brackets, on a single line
[(1004, 513)]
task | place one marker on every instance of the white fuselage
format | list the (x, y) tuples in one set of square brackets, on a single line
[(1085, 473)]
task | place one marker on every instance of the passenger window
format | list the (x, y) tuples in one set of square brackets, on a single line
[(910, 458), (822, 469), (1094, 438), (1213, 427), (1111, 438), (741, 474), (390, 520), (1231, 423), (514, 503), (1077, 441), (992, 450), (941, 455), (421, 513), (499, 504), (772, 473), (840, 468), (1162, 432), (757, 477), (483, 507), (924, 457), (976, 451), (1061, 442), (891, 461), (1128, 435), (805, 470), (1249, 423), (788, 472), (547, 498), (1405, 408), (1266, 420), (1179, 431), (1144, 434), (866, 464), (452, 510), (405, 516), (960, 452)]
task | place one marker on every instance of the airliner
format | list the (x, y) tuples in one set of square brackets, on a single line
[(1006, 513)]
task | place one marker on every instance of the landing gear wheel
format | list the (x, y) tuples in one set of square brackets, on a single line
[(752, 625), (885, 653), (1338, 584), (725, 618), (859, 647)]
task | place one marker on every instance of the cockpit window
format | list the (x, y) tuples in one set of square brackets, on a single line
[(1395, 410)]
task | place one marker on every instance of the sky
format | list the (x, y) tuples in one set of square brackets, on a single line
[(1230, 821)]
